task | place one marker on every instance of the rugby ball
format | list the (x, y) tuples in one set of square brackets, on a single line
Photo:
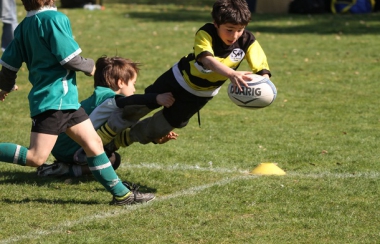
[(260, 93)]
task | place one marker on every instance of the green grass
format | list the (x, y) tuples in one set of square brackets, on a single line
[(323, 130)]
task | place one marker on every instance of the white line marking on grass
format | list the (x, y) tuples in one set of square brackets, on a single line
[(116, 211), (180, 167), (365, 175)]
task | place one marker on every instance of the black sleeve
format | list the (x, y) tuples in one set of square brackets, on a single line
[(78, 63), (7, 79), (137, 99)]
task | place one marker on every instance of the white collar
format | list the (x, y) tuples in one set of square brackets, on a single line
[(44, 8)]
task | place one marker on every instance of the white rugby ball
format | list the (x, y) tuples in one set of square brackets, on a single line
[(260, 93)]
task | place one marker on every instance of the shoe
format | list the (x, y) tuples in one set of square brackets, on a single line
[(54, 169), (116, 162), (110, 148), (132, 197), (80, 157)]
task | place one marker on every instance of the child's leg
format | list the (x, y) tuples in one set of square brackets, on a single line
[(101, 167), (120, 120), (98, 162), (7, 35), (150, 129), (58, 169), (13, 153), (39, 150), (122, 140), (85, 170)]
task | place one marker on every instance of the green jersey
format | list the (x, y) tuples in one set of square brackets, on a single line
[(65, 147), (44, 41)]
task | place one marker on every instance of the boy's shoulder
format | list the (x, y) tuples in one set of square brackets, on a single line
[(99, 95), (208, 27), (52, 15), (102, 91)]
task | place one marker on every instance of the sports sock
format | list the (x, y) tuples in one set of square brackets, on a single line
[(13, 153), (103, 172), (106, 134), (122, 139)]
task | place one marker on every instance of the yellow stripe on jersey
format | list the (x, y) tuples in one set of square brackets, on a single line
[(202, 43)]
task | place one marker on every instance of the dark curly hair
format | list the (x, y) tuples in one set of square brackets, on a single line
[(30, 5), (231, 11)]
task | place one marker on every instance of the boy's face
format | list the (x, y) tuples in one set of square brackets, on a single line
[(129, 88), (229, 33)]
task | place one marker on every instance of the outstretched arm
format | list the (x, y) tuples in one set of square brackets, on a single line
[(238, 78), (165, 99), (78, 63)]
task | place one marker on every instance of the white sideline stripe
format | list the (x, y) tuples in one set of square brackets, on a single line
[(178, 166), (366, 175), (120, 210), (116, 211)]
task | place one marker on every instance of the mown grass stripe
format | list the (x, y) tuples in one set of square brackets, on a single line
[(116, 211)]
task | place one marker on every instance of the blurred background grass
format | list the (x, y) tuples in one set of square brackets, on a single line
[(322, 130)]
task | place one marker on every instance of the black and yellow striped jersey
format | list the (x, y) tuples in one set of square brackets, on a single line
[(203, 82)]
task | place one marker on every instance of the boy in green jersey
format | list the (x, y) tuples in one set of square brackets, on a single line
[(114, 83), (44, 41)]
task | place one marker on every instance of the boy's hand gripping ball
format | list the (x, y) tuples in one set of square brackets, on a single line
[(260, 93)]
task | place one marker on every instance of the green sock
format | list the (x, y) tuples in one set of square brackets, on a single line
[(103, 172), (13, 153)]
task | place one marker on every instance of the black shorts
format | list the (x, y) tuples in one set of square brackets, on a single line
[(54, 122), (185, 104)]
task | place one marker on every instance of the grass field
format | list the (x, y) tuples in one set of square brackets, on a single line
[(323, 130)]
